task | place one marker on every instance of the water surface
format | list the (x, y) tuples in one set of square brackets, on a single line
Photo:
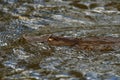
[(70, 18)]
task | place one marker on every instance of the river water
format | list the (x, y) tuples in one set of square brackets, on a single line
[(70, 18)]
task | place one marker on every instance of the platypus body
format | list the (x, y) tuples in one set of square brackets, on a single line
[(86, 43)]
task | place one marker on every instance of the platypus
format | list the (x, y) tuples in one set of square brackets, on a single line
[(85, 43)]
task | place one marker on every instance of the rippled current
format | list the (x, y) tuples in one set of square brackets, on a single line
[(71, 18)]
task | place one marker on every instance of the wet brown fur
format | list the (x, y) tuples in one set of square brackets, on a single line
[(89, 43)]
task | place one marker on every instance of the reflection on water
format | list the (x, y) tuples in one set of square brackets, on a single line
[(72, 18)]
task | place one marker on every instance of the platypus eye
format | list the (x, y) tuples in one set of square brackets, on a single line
[(53, 38), (50, 39)]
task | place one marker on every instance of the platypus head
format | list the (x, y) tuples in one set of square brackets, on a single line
[(61, 41)]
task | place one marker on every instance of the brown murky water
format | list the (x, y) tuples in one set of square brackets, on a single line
[(21, 60)]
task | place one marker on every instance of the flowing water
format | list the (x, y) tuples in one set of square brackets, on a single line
[(71, 18)]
